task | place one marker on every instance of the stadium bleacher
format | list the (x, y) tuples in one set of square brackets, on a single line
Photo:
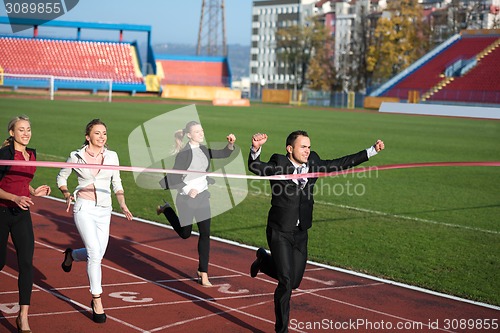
[(70, 58), (195, 71), (431, 73), (480, 84)]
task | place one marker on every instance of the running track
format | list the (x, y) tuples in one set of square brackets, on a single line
[(149, 286)]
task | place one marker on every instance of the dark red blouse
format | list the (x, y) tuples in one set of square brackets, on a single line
[(17, 180)]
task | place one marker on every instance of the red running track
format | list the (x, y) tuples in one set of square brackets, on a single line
[(149, 286)]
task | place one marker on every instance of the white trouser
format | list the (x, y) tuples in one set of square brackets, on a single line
[(93, 225)]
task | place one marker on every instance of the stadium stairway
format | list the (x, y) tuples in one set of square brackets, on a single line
[(467, 56), (479, 84), (430, 74)]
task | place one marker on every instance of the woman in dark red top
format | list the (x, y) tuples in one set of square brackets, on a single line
[(15, 218)]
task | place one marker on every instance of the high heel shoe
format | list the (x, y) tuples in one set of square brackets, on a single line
[(99, 318), (18, 324), (204, 276), (161, 209), (67, 268)]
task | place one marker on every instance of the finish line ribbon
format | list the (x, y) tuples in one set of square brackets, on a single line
[(62, 165)]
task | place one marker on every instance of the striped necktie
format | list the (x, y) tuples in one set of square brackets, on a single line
[(301, 181)]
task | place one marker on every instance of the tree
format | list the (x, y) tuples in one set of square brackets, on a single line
[(296, 45), (321, 73), (400, 38)]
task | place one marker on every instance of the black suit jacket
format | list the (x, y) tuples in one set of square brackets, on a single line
[(183, 161), (289, 203)]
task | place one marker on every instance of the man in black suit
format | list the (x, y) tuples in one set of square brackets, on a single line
[(291, 212)]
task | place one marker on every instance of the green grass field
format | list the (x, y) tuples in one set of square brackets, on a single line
[(436, 228)]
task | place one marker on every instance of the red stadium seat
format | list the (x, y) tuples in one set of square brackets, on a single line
[(481, 84), (196, 73), (430, 73), (68, 58)]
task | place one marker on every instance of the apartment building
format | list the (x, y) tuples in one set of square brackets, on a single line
[(266, 70), (346, 20)]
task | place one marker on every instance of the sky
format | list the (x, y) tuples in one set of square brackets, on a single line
[(172, 21)]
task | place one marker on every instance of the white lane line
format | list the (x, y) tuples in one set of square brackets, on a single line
[(312, 292), (404, 217), (85, 308), (134, 283), (417, 219), (314, 269), (328, 283), (174, 290), (222, 313), (354, 273), (55, 157)]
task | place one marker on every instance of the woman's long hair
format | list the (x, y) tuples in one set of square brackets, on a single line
[(179, 135), (91, 124), (11, 126)]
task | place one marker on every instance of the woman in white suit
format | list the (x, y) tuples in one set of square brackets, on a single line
[(92, 209)]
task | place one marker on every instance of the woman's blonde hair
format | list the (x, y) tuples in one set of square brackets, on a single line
[(179, 135), (11, 126)]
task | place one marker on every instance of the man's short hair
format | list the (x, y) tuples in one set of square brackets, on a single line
[(290, 140)]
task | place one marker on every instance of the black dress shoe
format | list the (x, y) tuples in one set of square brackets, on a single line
[(161, 209), (18, 324), (254, 269), (67, 268), (99, 318)]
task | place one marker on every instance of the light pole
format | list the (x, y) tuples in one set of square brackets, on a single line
[(262, 84), (346, 77), (256, 81), (295, 81), (344, 74)]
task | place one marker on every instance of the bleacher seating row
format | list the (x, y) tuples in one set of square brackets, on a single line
[(195, 72), (482, 83), (430, 73), (70, 58)]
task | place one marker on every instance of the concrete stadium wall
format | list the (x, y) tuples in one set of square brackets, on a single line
[(441, 110)]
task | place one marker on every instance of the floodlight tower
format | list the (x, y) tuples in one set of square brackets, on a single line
[(212, 23)]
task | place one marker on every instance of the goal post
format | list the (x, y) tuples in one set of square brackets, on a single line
[(48, 85)]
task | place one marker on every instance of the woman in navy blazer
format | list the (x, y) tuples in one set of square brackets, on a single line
[(291, 212), (193, 199)]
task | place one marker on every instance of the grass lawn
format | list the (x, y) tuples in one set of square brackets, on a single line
[(435, 227)]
